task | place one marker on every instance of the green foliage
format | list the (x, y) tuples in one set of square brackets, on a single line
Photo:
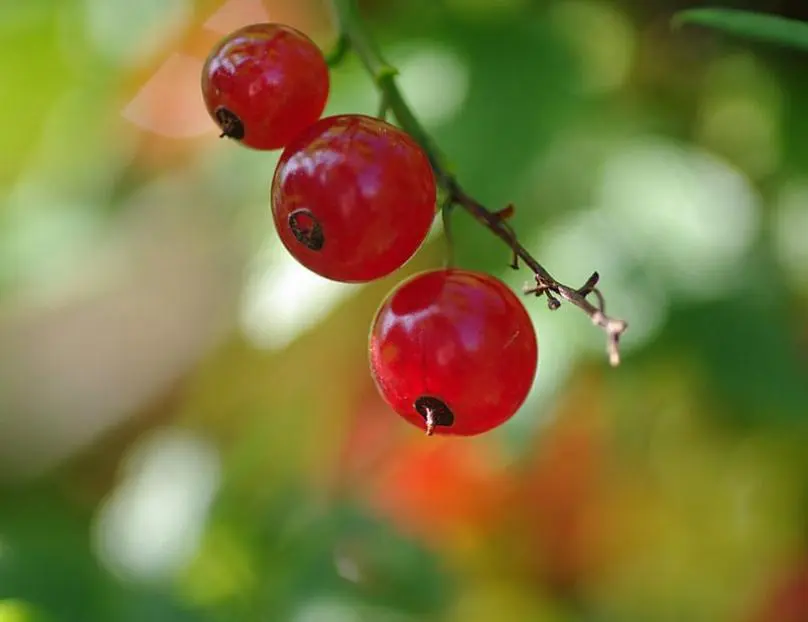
[(749, 25)]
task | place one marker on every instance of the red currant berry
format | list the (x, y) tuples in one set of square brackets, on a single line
[(264, 84), (453, 352), (353, 198)]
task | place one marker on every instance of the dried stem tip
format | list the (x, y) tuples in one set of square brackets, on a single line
[(430, 422), (434, 411)]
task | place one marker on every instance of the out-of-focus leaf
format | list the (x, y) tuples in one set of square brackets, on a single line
[(46, 558), (303, 551), (746, 347), (35, 75), (749, 25), (151, 605), (399, 572), (47, 561)]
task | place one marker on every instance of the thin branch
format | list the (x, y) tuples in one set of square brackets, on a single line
[(338, 52), (446, 217), (384, 75), (383, 108)]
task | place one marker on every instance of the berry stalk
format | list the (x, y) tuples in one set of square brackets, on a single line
[(357, 37)]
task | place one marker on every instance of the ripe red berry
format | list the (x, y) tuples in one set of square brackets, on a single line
[(265, 83), (353, 198), (453, 352)]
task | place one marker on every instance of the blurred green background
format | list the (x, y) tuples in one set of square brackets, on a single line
[(188, 429)]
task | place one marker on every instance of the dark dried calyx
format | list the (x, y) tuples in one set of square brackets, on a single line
[(430, 407), (307, 229), (231, 125)]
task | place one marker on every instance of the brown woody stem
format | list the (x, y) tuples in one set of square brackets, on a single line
[(362, 43)]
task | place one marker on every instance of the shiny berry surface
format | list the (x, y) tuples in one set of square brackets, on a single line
[(454, 346), (353, 198), (265, 83)]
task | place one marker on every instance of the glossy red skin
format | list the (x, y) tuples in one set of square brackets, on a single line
[(369, 185), (271, 76), (463, 337)]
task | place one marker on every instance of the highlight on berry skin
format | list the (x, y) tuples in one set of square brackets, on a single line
[(265, 83), (453, 352), (353, 198)]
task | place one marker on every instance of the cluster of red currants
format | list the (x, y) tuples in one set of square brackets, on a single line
[(353, 198)]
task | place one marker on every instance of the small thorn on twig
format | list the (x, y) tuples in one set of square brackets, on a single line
[(587, 287), (515, 261), (506, 212), (540, 288)]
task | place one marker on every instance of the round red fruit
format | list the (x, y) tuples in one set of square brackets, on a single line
[(353, 198), (453, 352), (265, 83)]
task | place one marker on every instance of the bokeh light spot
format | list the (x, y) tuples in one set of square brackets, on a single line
[(150, 527), (129, 33), (16, 611), (604, 39), (237, 13), (435, 79), (791, 230), (170, 103), (282, 299), (689, 215)]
